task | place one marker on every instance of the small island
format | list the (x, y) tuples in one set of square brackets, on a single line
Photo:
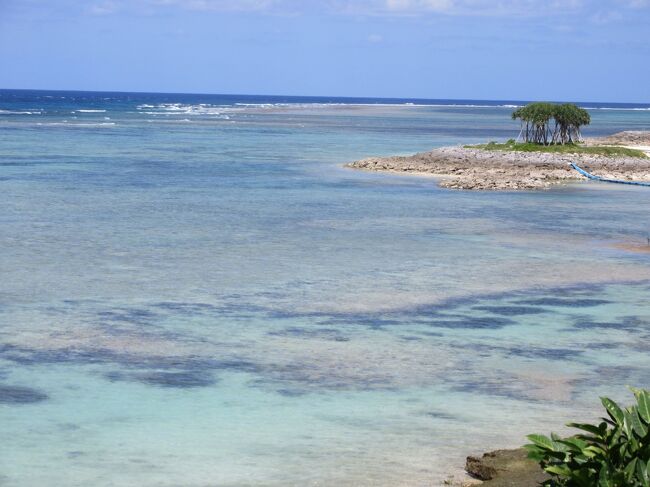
[(539, 160)]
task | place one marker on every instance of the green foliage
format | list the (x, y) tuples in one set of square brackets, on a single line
[(538, 112), (535, 122), (568, 120), (536, 117), (614, 453), (511, 145)]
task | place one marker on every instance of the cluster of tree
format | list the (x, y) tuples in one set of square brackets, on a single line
[(536, 122)]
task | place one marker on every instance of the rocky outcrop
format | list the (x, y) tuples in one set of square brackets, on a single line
[(479, 169), (506, 468), (627, 138)]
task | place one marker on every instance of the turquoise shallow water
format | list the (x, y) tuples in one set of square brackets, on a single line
[(195, 293)]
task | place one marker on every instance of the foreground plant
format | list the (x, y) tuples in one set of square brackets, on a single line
[(615, 453)]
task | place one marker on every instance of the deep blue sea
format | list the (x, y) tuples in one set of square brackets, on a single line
[(195, 292)]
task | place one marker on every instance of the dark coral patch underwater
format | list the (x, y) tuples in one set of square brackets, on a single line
[(183, 379), (472, 322), (564, 302), (20, 395), (627, 323), (318, 333), (511, 310)]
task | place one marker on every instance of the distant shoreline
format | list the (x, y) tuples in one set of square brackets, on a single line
[(479, 169)]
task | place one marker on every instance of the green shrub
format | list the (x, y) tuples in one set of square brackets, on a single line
[(562, 149), (614, 453)]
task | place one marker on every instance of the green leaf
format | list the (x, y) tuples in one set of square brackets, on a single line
[(542, 441), (613, 410), (593, 439), (557, 470), (643, 472), (637, 425), (630, 469), (643, 402), (535, 453), (590, 428), (628, 423), (604, 477), (593, 450), (574, 444)]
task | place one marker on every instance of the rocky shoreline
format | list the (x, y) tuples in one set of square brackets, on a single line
[(480, 169), (503, 468)]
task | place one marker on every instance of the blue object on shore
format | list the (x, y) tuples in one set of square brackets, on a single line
[(605, 180)]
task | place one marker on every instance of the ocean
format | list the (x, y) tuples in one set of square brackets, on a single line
[(195, 292)]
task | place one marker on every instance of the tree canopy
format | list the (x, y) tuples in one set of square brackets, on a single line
[(536, 122)]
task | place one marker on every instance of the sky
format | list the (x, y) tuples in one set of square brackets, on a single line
[(560, 50)]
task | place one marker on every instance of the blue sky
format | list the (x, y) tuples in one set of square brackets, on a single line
[(578, 50)]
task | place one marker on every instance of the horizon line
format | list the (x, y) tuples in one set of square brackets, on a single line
[(319, 96)]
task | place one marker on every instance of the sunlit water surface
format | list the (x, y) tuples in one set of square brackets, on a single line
[(195, 292)]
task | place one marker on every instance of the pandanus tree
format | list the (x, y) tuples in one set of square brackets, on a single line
[(568, 120), (535, 118), (536, 127)]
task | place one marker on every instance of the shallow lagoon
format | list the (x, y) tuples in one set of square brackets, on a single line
[(189, 299)]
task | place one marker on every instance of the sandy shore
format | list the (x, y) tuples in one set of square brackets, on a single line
[(478, 169)]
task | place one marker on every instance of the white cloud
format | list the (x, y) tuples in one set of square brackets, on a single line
[(398, 4), (104, 8), (433, 5), (439, 5)]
